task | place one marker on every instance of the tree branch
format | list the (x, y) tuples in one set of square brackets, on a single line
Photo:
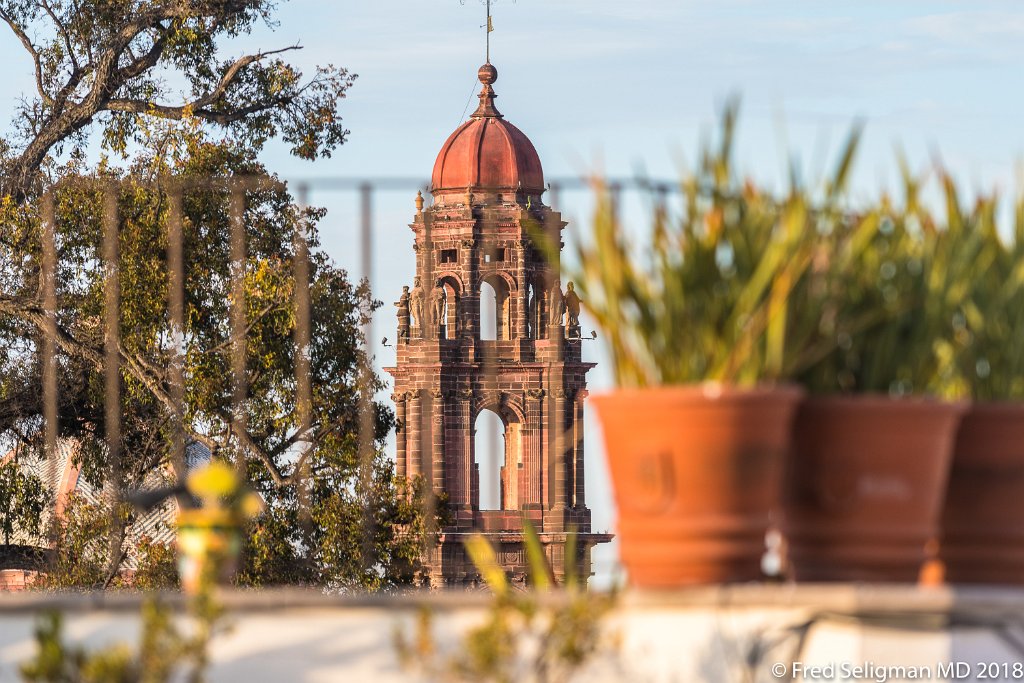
[(63, 31), (245, 333), (30, 311), (23, 37), (200, 106), (141, 64)]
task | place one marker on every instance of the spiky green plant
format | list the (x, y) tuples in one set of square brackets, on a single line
[(994, 367), (534, 635), (707, 298), (894, 286)]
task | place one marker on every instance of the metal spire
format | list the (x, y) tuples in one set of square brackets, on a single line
[(490, 27)]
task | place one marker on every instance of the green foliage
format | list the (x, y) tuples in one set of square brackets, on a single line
[(894, 286), (165, 653), (993, 367), (537, 635), (25, 499), (108, 67), (121, 63), (746, 288), (709, 299), (80, 538), (157, 566), (351, 540), (338, 364)]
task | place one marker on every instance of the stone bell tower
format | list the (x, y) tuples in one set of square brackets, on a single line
[(518, 355)]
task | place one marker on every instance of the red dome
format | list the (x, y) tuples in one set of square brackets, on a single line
[(488, 152)]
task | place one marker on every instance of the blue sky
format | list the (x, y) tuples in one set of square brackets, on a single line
[(624, 86), (633, 83)]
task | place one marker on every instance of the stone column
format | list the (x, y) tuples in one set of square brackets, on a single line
[(523, 291), (559, 479), (581, 498), (437, 457), (401, 434), (414, 431), (471, 294), (532, 448), (462, 496)]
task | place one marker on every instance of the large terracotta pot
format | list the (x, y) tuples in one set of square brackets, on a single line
[(983, 519), (865, 485), (695, 472)]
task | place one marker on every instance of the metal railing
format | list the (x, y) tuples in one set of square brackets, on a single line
[(171, 392)]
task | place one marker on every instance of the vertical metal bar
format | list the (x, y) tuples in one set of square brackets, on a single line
[(615, 198), (49, 341), (401, 435), (176, 313), (555, 192), (420, 412), (111, 364), (303, 390), (556, 380), (366, 408), (494, 483), (238, 320)]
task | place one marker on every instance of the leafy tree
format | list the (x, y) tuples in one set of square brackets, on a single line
[(25, 500), (104, 65), (338, 547), (80, 543), (112, 62)]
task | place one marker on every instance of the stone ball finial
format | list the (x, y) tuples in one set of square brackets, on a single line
[(487, 74)]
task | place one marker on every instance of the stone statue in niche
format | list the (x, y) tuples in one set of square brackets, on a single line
[(416, 307), (556, 304), (572, 308), (437, 298), (403, 314)]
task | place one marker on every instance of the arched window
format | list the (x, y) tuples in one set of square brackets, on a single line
[(488, 312), (489, 459), (497, 459), (444, 301), (495, 309), (451, 309)]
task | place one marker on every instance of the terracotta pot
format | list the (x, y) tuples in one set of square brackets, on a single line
[(983, 518), (865, 486), (695, 472)]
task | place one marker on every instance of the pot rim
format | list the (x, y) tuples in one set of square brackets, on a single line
[(877, 400), (997, 406), (705, 391)]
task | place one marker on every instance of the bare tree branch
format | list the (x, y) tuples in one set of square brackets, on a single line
[(199, 106), (140, 370), (63, 31), (23, 37)]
